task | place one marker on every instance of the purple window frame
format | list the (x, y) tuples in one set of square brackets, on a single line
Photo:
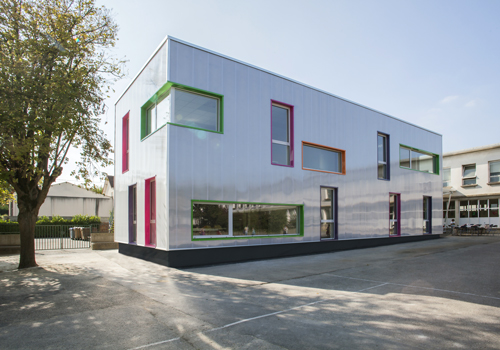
[(290, 108)]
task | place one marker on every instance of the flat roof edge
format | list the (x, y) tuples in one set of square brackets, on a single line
[(266, 71), (472, 150)]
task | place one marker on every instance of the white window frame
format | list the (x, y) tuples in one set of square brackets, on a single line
[(469, 177), (489, 172)]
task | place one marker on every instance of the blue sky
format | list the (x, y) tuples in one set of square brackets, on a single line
[(433, 63)]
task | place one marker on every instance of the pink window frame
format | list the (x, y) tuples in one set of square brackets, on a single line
[(125, 142), (147, 211), (290, 108)]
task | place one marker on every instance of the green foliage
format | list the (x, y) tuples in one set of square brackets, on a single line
[(44, 220), (53, 81), (55, 73), (85, 220)]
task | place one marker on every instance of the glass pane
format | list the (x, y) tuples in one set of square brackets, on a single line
[(425, 208), (150, 117), (382, 171), (446, 174), (196, 110), (393, 214), (404, 157), (163, 111), (469, 170), (280, 124), (321, 159), (381, 149), (469, 181), (493, 208), (327, 204), (426, 226), (262, 220), (463, 209), (483, 204), (281, 154), (495, 171), (393, 228), (210, 219), (327, 230), (473, 209), (451, 214), (422, 162)]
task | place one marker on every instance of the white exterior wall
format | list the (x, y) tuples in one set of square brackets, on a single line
[(480, 157)]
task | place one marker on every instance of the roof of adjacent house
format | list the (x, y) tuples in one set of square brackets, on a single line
[(66, 189), (111, 180), (471, 150)]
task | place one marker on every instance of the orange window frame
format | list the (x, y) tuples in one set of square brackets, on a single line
[(338, 150)]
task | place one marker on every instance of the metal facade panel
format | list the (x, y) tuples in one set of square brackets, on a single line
[(236, 165), (147, 158)]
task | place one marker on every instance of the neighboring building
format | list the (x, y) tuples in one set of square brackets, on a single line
[(471, 185), (67, 200), (218, 160), (109, 186)]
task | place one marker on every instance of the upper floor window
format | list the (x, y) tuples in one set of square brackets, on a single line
[(494, 171), (383, 156), (322, 158), (125, 142), (447, 177), (415, 159), (281, 134), (182, 106), (469, 175)]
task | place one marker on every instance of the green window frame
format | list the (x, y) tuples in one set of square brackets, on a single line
[(163, 93), (231, 217), (413, 163)]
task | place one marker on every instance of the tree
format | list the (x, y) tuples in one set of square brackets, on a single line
[(55, 71)]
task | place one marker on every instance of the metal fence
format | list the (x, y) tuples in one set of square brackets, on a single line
[(62, 237)]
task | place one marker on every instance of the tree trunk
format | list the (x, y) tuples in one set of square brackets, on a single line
[(27, 220)]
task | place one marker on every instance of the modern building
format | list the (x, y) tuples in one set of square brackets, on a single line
[(471, 185), (67, 200), (219, 161)]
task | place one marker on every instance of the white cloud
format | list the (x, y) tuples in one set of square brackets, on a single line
[(449, 99), (471, 103)]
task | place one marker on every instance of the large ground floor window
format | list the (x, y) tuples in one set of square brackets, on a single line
[(215, 220)]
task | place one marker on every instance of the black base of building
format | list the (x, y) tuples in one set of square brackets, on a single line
[(212, 256)]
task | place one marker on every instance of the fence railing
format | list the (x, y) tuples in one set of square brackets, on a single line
[(58, 236)]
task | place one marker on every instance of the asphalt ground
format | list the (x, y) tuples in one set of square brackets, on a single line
[(437, 294)]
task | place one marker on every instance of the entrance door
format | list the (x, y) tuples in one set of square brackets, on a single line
[(394, 214), (427, 214), (152, 218), (328, 213)]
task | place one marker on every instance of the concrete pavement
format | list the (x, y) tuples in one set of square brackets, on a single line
[(435, 294)]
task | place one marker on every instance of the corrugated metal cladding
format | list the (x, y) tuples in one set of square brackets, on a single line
[(236, 165)]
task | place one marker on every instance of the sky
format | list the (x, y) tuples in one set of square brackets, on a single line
[(434, 63)]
